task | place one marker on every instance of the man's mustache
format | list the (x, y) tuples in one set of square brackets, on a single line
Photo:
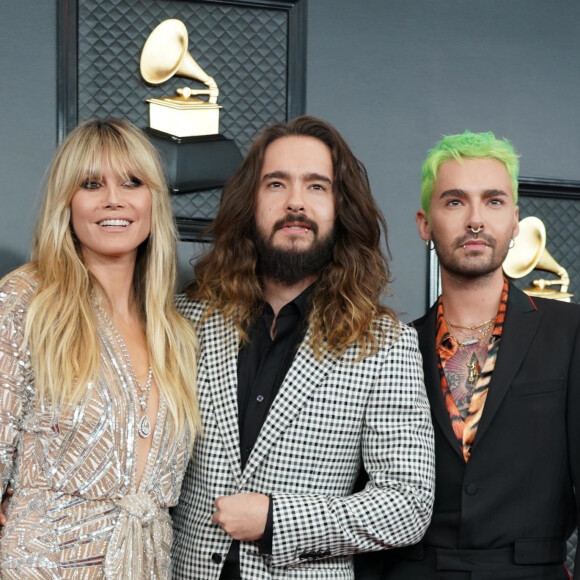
[(293, 218), (479, 237)]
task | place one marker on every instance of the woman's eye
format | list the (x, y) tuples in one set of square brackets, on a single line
[(133, 182), (90, 184)]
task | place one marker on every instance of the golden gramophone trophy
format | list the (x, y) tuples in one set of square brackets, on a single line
[(528, 253), (184, 127)]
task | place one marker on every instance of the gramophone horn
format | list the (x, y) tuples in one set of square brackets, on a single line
[(529, 252), (528, 248), (165, 55)]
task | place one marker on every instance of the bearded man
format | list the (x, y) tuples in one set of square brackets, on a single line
[(304, 375)]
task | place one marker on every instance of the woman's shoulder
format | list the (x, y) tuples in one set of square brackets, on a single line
[(19, 285)]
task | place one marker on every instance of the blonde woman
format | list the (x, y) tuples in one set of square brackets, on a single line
[(97, 370)]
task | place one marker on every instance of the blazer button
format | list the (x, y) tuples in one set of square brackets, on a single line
[(471, 488), (216, 558)]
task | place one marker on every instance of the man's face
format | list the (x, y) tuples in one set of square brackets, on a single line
[(295, 208), (475, 194)]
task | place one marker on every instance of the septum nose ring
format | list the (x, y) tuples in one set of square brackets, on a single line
[(475, 231)]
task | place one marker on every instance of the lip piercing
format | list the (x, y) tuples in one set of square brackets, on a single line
[(475, 231)]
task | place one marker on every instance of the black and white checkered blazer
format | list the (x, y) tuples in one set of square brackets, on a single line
[(329, 417)]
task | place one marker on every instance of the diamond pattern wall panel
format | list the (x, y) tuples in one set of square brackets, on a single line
[(244, 49), (562, 236)]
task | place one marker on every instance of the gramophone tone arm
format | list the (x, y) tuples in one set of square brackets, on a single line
[(212, 92), (564, 281)]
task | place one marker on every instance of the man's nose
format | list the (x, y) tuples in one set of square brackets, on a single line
[(296, 199)]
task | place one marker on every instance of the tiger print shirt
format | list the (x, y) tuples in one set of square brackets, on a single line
[(464, 399)]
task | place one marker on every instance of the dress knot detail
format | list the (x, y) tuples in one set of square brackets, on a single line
[(139, 505), (136, 547)]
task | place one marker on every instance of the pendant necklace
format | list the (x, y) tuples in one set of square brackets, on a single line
[(469, 355), (144, 425)]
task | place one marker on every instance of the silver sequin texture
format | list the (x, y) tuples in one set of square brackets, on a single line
[(76, 512)]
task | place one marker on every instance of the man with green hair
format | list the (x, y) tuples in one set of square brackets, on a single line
[(502, 372)]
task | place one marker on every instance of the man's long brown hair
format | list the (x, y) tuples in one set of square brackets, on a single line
[(346, 297)]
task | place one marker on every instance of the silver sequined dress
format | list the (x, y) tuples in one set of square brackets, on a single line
[(76, 511)]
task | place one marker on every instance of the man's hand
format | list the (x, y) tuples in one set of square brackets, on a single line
[(243, 515)]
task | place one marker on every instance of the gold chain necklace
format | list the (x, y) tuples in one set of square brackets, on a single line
[(470, 326), (482, 329)]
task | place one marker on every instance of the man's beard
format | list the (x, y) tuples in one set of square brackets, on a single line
[(479, 268), (289, 266)]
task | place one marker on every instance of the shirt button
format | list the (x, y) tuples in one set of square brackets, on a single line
[(216, 558), (471, 489), (260, 398)]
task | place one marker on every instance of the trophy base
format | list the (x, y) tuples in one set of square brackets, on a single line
[(184, 117), (196, 163), (548, 293)]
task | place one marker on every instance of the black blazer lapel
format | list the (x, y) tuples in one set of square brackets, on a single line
[(426, 329), (520, 326)]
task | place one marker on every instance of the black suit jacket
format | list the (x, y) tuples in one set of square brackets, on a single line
[(517, 490)]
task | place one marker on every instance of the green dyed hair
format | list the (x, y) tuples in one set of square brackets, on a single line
[(470, 146)]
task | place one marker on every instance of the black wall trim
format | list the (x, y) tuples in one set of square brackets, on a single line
[(553, 188)]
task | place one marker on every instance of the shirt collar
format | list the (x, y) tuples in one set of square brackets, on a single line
[(301, 302)]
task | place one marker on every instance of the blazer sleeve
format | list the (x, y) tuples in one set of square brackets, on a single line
[(573, 426), (395, 507), (15, 393)]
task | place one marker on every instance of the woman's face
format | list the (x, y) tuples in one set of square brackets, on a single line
[(111, 216)]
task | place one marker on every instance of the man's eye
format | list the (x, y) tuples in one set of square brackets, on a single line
[(496, 202), (318, 187), (453, 202), (274, 184)]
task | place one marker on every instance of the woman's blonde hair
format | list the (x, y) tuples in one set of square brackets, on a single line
[(61, 329)]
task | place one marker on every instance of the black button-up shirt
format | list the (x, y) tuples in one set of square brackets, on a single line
[(263, 363)]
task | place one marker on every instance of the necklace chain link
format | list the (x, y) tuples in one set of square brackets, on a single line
[(482, 329), (143, 391), (470, 326)]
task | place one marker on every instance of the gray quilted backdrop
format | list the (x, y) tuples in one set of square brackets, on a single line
[(243, 48)]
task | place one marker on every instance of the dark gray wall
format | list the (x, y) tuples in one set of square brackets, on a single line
[(392, 75), (27, 119)]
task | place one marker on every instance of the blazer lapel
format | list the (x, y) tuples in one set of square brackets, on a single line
[(520, 326), (304, 376), (426, 329), (220, 355)]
